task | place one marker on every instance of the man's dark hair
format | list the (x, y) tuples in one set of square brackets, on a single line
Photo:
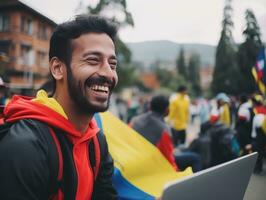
[(181, 88), (60, 42), (159, 104)]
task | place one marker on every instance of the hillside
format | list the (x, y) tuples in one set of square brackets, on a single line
[(166, 51)]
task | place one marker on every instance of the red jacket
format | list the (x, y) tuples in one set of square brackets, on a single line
[(25, 150)]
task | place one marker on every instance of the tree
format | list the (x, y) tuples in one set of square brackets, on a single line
[(181, 65), (169, 79), (248, 51), (116, 11), (193, 74), (225, 77)]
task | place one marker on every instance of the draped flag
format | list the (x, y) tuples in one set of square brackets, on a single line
[(141, 171), (259, 71)]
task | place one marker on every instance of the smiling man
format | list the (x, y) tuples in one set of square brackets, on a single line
[(53, 148)]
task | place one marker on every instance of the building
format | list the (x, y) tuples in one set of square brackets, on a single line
[(24, 43), (150, 80)]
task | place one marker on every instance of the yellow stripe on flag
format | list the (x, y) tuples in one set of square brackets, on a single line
[(140, 162), (261, 86)]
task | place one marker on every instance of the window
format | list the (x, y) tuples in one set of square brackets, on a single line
[(41, 59), (26, 26), (42, 32), (4, 22), (4, 46), (26, 55)]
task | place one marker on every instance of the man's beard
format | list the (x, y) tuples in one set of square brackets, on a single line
[(77, 93)]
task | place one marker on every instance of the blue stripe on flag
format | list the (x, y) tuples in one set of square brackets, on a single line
[(125, 190)]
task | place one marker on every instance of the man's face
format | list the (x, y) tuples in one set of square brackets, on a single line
[(92, 74)]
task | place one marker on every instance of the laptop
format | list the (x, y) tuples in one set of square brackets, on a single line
[(227, 181)]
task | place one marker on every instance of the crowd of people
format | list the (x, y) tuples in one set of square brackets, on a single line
[(242, 117)]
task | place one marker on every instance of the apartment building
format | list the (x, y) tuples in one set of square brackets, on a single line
[(24, 43)]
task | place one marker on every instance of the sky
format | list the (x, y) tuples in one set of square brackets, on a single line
[(181, 21)]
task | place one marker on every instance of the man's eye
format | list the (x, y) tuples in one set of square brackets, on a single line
[(93, 61), (113, 65)]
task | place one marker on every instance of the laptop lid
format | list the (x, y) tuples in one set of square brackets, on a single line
[(225, 181)]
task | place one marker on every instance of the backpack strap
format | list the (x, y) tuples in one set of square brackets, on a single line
[(97, 153), (59, 195)]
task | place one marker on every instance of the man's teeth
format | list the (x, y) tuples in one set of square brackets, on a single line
[(100, 88)]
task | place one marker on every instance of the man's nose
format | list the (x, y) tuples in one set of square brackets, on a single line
[(105, 70)]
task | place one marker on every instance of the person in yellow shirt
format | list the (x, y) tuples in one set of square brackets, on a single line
[(179, 115), (224, 109)]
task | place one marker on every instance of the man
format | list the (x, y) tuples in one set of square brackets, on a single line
[(82, 62), (244, 118), (258, 133), (151, 126), (179, 115)]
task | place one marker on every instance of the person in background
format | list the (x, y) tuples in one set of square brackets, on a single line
[(204, 110), (151, 126), (258, 106), (178, 116), (3, 90), (193, 110), (222, 110), (258, 133), (244, 120), (48, 130)]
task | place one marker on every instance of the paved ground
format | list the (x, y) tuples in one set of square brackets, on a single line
[(256, 189), (257, 186)]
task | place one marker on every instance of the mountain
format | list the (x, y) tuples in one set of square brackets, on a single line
[(149, 52)]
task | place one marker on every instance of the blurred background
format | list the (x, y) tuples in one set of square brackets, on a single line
[(207, 45), (210, 46)]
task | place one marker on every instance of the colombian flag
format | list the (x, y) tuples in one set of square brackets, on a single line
[(141, 171), (259, 71)]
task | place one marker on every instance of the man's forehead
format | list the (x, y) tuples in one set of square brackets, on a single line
[(89, 42), (93, 38)]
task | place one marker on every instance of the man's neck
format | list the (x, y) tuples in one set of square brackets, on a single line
[(77, 118)]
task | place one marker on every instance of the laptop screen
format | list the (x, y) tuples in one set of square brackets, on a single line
[(225, 181)]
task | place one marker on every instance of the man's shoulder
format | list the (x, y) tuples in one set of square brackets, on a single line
[(25, 139), (28, 124), (141, 117), (27, 131)]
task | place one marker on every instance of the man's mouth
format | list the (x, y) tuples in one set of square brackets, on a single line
[(100, 88)]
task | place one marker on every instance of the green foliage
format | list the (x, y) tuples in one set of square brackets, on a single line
[(168, 79), (180, 64), (123, 52), (127, 76), (247, 53), (226, 74), (193, 74), (116, 10)]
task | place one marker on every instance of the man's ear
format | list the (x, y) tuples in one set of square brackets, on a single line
[(57, 68)]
